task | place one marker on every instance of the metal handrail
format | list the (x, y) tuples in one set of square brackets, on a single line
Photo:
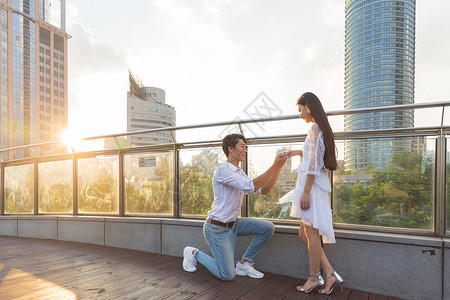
[(442, 104)]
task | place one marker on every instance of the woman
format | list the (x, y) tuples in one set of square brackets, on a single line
[(311, 198)]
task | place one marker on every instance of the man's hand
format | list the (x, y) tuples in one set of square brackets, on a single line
[(279, 161)]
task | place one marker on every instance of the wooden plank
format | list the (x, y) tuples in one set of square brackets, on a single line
[(358, 295), (220, 288), (201, 281), (251, 284), (337, 294), (46, 269), (267, 289), (287, 285), (294, 294), (377, 297)]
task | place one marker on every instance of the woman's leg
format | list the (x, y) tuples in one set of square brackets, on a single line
[(302, 235), (314, 254), (327, 269), (324, 263)]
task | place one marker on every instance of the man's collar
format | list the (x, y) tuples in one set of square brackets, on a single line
[(233, 167)]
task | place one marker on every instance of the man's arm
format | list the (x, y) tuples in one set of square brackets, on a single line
[(270, 176), (271, 182)]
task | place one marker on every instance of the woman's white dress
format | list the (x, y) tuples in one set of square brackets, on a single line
[(319, 213)]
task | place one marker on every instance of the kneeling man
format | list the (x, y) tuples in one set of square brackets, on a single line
[(222, 225)]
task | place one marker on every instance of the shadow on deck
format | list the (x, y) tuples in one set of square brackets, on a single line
[(48, 269)]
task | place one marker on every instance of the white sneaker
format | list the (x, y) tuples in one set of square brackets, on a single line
[(247, 269), (189, 260)]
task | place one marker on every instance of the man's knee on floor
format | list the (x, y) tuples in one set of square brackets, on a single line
[(228, 276)]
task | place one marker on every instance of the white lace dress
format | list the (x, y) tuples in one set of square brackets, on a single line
[(319, 213)]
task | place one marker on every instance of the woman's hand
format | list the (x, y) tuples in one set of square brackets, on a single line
[(305, 200), (291, 153)]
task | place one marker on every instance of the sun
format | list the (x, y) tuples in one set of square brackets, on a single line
[(72, 139)]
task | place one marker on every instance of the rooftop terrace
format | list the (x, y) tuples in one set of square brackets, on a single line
[(47, 269), (392, 219)]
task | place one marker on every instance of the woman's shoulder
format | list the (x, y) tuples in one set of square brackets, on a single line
[(315, 130)]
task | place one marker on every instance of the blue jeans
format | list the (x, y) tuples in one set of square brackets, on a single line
[(222, 240)]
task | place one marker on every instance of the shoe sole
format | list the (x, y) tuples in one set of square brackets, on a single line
[(245, 274), (185, 254)]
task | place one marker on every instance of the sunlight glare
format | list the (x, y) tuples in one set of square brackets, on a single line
[(71, 138)]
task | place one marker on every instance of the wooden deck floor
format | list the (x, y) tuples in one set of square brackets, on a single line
[(48, 269)]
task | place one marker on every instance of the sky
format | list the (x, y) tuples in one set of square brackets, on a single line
[(219, 60)]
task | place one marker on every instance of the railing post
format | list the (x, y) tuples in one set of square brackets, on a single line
[(75, 185), (244, 207), (440, 213), (36, 187), (176, 181), (2, 190), (121, 186)]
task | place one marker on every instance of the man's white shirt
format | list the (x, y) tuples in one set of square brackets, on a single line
[(230, 186)]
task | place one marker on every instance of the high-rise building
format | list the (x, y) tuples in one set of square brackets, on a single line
[(33, 62), (379, 71), (147, 109), (287, 177)]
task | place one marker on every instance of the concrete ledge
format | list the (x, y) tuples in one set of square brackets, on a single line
[(183, 222), (8, 225), (446, 279), (369, 261), (82, 229), (38, 227), (137, 234)]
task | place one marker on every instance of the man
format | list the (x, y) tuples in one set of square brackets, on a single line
[(223, 225)]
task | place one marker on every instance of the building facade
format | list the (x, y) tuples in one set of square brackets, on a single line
[(147, 109), (33, 62), (286, 179), (379, 71)]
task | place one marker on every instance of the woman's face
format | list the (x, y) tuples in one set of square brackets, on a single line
[(304, 113)]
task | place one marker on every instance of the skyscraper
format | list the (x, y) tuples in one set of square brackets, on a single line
[(33, 62), (379, 71), (147, 109)]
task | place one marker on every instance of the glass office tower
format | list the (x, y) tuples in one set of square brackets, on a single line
[(379, 71), (33, 62)]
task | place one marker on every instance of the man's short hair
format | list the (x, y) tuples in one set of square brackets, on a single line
[(230, 141)]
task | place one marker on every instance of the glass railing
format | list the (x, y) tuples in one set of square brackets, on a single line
[(398, 193), (148, 182), (18, 195), (403, 189), (196, 172), (55, 183)]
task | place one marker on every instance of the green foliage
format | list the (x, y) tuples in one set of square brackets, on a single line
[(196, 192), (19, 198), (99, 196), (400, 195), (265, 206), (57, 198), (151, 197)]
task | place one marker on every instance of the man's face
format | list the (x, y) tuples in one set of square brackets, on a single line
[(239, 152)]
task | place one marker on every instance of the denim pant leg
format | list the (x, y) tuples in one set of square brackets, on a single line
[(221, 240), (251, 226)]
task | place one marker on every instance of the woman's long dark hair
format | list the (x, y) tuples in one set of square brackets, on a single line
[(312, 102)]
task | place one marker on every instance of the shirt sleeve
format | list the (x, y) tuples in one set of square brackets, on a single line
[(231, 178), (258, 192), (316, 151)]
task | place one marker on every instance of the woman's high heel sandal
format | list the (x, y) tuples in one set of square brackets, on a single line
[(339, 281), (320, 282)]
